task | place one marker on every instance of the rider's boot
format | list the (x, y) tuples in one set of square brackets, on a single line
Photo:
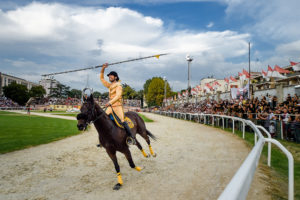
[(130, 139)]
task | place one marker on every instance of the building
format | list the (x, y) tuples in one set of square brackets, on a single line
[(49, 84), (6, 79)]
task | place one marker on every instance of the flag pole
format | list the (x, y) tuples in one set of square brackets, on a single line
[(98, 66)]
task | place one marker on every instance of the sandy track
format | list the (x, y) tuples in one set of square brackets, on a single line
[(193, 162)]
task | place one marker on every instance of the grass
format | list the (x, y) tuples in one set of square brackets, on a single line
[(146, 119), (68, 114), (19, 131)]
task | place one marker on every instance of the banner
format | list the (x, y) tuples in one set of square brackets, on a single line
[(240, 93)]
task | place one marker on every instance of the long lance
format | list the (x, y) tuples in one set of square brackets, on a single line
[(98, 66)]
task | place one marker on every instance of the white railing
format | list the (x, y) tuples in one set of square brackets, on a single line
[(240, 184)]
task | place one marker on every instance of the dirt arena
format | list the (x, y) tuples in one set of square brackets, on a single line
[(193, 162)]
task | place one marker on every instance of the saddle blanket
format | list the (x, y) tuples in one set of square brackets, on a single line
[(127, 119)]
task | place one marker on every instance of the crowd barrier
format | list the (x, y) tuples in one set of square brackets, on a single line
[(239, 185), (12, 108)]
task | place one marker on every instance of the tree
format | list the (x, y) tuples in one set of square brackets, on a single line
[(128, 92), (146, 85), (16, 92), (74, 93), (104, 95), (155, 94), (61, 91), (37, 91), (96, 94)]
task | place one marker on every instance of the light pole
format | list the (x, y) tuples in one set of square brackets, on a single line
[(189, 60), (165, 91)]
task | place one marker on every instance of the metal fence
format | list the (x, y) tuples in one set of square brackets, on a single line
[(239, 185)]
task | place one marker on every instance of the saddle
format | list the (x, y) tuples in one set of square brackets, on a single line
[(117, 121)]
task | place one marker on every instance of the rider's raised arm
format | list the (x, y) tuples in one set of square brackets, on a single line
[(104, 82), (119, 91)]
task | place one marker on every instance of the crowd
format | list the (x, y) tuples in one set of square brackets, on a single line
[(267, 112), (6, 102)]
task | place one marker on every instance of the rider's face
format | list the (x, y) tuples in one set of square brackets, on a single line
[(112, 78)]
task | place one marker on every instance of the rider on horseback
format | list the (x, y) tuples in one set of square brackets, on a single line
[(115, 104)]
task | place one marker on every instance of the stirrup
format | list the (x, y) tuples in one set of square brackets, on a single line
[(130, 141)]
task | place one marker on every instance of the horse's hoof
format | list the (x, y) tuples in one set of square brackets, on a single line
[(148, 156), (117, 186), (154, 155)]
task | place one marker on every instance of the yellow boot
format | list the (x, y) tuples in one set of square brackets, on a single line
[(151, 151)]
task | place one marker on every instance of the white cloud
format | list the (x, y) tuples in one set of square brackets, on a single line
[(71, 37)]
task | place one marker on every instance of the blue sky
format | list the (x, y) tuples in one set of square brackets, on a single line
[(49, 36)]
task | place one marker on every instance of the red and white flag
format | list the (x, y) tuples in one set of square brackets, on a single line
[(270, 71), (208, 87), (179, 95), (281, 70), (296, 66), (233, 79), (277, 72), (226, 80), (247, 75), (194, 91)]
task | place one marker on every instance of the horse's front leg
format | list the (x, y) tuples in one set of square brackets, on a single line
[(129, 158), (112, 155)]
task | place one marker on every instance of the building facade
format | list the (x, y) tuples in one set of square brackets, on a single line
[(6, 79), (49, 84)]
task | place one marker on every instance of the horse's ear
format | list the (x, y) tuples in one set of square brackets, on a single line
[(91, 98)]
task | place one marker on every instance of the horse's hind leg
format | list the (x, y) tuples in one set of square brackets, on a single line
[(141, 149), (146, 137), (129, 158), (112, 155)]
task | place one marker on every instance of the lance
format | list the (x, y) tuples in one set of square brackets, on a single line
[(98, 66)]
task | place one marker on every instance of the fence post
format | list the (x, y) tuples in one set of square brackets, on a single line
[(213, 121), (243, 129), (223, 123), (232, 125), (281, 129)]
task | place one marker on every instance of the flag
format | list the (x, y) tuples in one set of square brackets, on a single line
[(194, 91), (270, 71), (265, 75), (247, 75), (233, 79), (281, 70), (296, 66), (157, 56), (208, 87), (242, 77), (277, 72), (226, 80)]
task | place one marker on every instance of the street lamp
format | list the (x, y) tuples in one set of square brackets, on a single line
[(165, 92), (189, 59)]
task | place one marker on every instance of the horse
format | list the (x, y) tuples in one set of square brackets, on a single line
[(112, 137)]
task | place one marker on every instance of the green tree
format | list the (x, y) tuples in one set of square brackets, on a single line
[(37, 91), (96, 94), (74, 93), (16, 92), (104, 95), (61, 91), (155, 94), (128, 92), (146, 85)]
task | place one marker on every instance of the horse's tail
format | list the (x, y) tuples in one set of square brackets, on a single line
[(151, 135)]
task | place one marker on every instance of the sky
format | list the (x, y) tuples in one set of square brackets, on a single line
[(38, 37)]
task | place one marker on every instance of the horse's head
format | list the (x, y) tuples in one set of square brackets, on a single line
[(87, 113)]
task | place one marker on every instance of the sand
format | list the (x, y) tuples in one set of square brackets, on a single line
[(193, 162)]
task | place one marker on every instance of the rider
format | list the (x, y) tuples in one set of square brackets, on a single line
[(115, 100)]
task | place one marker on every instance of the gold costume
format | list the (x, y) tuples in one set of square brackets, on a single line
[(115, 97)]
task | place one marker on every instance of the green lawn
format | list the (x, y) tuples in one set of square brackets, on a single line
[(68, 114), (146, 119), (19, 131)]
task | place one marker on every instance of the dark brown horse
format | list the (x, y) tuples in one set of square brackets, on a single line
[(111, 137)]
